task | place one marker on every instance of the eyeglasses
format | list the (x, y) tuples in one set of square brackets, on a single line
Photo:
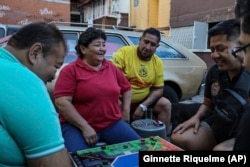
[(237, 50)]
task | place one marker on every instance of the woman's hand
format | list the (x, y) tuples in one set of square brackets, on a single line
[(89, 135)]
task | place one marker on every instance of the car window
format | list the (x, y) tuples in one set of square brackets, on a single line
[(6, 30), (71, 39), (12, 30), (135, 40), (164, 51), (113, 43), (2, 32)]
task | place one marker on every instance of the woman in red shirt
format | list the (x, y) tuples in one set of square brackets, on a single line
[(86, 94)]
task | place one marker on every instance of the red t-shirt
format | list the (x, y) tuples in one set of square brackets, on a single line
[(94, 94)]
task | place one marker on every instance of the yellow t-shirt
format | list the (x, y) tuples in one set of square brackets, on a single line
[(141, 74)]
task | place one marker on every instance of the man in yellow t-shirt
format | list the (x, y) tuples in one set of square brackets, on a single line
[(144, 70)]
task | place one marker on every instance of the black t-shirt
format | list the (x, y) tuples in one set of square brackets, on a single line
[(216, 81)]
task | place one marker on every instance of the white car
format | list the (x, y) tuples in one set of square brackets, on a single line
[(184, 71)]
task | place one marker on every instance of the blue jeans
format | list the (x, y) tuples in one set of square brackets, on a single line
[(118, 132)]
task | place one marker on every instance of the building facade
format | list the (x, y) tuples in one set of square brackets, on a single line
[(105, 12), (185, 21), (150, 13), (26, 11), (191, 19), (139, 14)]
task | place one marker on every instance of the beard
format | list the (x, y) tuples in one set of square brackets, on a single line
[(146, 56)]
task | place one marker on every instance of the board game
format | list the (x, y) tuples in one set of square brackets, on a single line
[(104, 156)]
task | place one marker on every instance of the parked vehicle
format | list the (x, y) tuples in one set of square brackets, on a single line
[(6, 30), (184, 71)]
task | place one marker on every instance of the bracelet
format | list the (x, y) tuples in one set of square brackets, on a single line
[(143, 107)]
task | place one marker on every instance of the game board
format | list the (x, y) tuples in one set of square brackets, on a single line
[(104, 156)]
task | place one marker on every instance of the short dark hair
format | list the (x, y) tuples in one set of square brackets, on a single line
[(152, 31), (242, 7), (87, 37), (231, 28), (39, 32)]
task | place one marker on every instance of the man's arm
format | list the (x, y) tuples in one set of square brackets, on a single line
[(205, 108), (154, 95), (60, 158)]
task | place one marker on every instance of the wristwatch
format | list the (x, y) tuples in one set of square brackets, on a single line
[(143, 107)]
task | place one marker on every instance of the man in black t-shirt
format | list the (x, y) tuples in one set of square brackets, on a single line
[(196, 133)]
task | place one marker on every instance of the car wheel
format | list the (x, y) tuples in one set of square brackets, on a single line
[(171, 94)]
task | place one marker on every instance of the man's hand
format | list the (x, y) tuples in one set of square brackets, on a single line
[(192, 122)]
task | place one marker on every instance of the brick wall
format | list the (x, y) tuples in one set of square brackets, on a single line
[(185, 12), (25, 11)]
